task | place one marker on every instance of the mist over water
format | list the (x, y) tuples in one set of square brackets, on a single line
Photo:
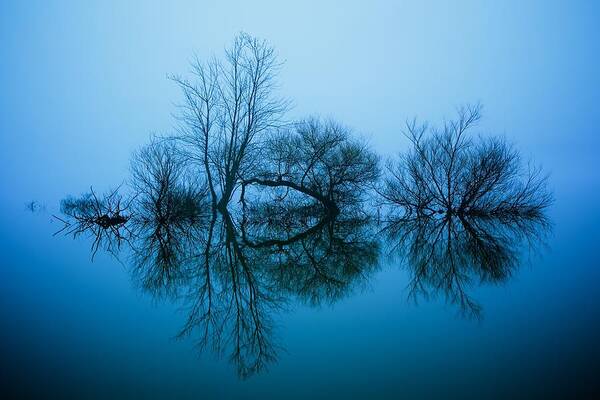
[(352, 300)]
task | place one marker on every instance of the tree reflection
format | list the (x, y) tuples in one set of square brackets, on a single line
[(230, 301), (248, 268), (315, 257), (447, 255)]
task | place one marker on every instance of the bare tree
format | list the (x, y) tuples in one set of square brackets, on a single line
[(104, 219), (448, 172), (321, 160), (165, 186), (227, 108)]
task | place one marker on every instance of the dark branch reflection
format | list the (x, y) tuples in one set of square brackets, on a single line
[(447, 255)]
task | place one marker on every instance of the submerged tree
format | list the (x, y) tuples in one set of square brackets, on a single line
[(460, 209), (448, 172), (320, 160), (104, 219)]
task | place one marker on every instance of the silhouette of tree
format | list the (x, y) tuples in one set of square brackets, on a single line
[(228, 107), (445, 171), (103, 219), (318, 159)]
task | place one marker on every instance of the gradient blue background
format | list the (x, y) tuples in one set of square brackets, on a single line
[(82, 84)]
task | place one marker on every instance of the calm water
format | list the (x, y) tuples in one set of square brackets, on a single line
[(82, 89), (83, 329)]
